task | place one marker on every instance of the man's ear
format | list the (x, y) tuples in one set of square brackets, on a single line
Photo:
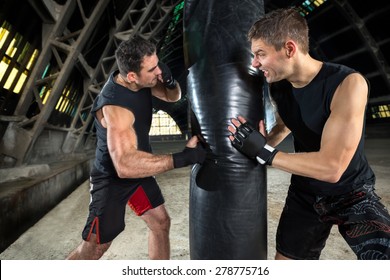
[(132, 77), (290, 48)]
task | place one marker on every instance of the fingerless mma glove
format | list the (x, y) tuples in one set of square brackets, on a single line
[(189, 156), (252, 143), (168, 80)]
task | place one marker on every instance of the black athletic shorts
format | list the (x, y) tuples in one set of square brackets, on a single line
[(108, 204), (307, 219)]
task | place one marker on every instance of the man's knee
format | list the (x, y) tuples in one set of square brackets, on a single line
[(157, 219), (166, 222), (161, 222)]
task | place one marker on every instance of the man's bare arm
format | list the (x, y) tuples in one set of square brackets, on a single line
[(129, 162), (165, 94)]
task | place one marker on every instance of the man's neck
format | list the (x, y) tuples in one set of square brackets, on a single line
[(119, 79), (307, 71)]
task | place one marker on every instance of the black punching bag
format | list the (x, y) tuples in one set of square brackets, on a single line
[(228, 206)]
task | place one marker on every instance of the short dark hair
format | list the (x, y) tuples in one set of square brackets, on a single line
[(130, 54), (277, 26)]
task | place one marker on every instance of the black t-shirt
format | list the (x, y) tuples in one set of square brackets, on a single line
[(305, 112), (140, 104)]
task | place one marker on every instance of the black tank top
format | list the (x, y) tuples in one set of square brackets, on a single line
[(140, 104), (305, 111)]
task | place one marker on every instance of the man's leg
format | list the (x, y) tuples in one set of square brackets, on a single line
[(89, 250), (159, 223), (306, 241), (366, 224)]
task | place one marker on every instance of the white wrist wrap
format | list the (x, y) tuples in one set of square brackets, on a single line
[(266, 152)]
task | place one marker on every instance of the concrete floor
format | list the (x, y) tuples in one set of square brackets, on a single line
[(58, 232)]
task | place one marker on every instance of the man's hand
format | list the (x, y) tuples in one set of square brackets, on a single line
[(166, 75), (250, 142), (192, 153)]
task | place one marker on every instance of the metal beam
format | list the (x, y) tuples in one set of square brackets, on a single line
[(152, 10), (20, 150), (372, 46)]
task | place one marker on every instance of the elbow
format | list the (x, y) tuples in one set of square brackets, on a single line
[(332, 174), (332, 178), (175, 98), (123, 167), (176, 95), (121, 173), (124, 173)]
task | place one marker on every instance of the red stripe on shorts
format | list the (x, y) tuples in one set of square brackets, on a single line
[(139, 202), (95, 222)]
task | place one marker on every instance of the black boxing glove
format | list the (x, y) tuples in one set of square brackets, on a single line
[(189, 156), (168, 80), (253, 144)]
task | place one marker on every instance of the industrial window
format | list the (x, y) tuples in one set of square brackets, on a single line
[(380, 111), (163, 124), (68, 100), (309, 6), (17, 61), (17, 58)]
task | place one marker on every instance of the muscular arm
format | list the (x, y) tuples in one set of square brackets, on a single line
[(122, 144), (165, 94), (340, 137)]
